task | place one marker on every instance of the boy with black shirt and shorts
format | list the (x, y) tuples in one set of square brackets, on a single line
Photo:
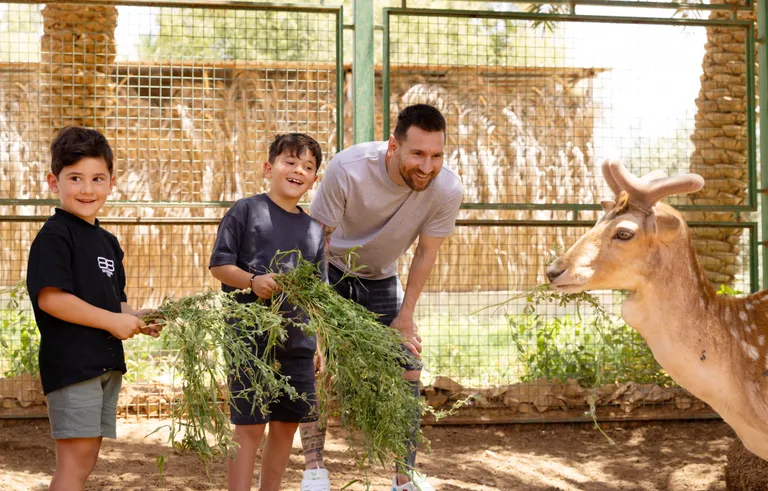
[(76, 284), (250, 234)]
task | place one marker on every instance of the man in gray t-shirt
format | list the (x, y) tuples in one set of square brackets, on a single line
[(379, 198)]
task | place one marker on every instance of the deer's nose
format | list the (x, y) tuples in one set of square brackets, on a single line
[(553, 273)]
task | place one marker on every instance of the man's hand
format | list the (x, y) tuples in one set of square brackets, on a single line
[(152, 327), (126, 326), (264, 286), (410, 331)]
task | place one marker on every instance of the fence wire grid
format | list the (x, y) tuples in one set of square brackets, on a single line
[(190, 99)]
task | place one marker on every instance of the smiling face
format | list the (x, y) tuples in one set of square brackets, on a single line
[(83, 187), (290, 177), (418, 158)]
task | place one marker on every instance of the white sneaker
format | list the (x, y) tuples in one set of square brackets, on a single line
[(315, 480), (418, 483)]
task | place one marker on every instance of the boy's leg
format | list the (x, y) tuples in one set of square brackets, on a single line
[(276, 454), (313, 444), (249, 428), (240, 468), (75, 459), (81, 415)]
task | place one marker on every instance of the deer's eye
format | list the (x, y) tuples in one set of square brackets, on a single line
[(624, 234)]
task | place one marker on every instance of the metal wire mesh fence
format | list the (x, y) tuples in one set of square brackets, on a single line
[(531, 110), (533, 105), (542, 360), (191, 97)]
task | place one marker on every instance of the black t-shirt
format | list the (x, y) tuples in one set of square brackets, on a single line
[(249, 236), (86, 261)]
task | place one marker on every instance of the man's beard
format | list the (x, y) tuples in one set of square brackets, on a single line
[(408, 178)]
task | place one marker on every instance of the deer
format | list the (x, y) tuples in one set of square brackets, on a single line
[(715, 346)]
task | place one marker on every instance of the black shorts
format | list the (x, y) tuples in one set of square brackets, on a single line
[(381, 297), (302, 378)]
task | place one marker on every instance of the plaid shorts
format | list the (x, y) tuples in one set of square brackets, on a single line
[(382, 297)]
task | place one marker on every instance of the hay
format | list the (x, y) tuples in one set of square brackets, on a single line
[(744, 470), (199, 133)]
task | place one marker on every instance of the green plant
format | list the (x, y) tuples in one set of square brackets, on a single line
[(364, 384), (215, 334), (591, 346), (20, 341), (727, 290), (586, 350)]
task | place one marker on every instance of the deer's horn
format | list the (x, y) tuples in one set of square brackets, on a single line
[(608, 176), (654, 175), (646, 193)]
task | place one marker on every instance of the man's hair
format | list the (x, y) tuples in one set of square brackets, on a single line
[(74, 143), (295, 144), (423, 116)]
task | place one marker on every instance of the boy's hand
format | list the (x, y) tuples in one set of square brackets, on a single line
[(264, 286), (152, 327), (126, 326)]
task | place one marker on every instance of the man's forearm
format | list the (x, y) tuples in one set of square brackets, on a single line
[(327, 231), (418, 274)]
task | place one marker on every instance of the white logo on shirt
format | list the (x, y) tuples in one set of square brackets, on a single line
[(107, 266)]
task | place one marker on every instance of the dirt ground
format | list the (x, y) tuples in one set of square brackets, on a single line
[(681, 456)]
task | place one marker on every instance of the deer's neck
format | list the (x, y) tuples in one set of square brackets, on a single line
[(715, 346), (676, 306)]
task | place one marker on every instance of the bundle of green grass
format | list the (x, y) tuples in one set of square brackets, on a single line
[(362, 383), (213, 336)]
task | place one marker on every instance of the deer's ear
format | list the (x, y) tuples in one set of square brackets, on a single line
[(607, 205), (666, 225)]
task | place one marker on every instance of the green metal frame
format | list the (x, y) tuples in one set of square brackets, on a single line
[(340, 78), (762, 59), (750, 227), (363, 74), (752, 190), (746, 6)]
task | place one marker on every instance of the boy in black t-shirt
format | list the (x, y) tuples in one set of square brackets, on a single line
[(249, 235), (76, 284)]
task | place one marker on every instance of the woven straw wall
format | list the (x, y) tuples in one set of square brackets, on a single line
[(201, 134)]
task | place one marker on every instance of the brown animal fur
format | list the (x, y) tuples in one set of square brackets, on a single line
[(713, 345)]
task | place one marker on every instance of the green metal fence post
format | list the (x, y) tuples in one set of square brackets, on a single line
[(762, 58), (363, 72), (340, 76)]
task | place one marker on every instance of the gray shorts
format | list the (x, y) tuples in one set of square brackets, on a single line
[(85, 409)]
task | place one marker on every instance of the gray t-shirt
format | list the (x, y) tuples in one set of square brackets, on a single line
[(249, 236), (380, 218)]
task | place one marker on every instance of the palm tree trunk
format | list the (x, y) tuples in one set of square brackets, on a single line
[(720, 143), (78, 53)]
